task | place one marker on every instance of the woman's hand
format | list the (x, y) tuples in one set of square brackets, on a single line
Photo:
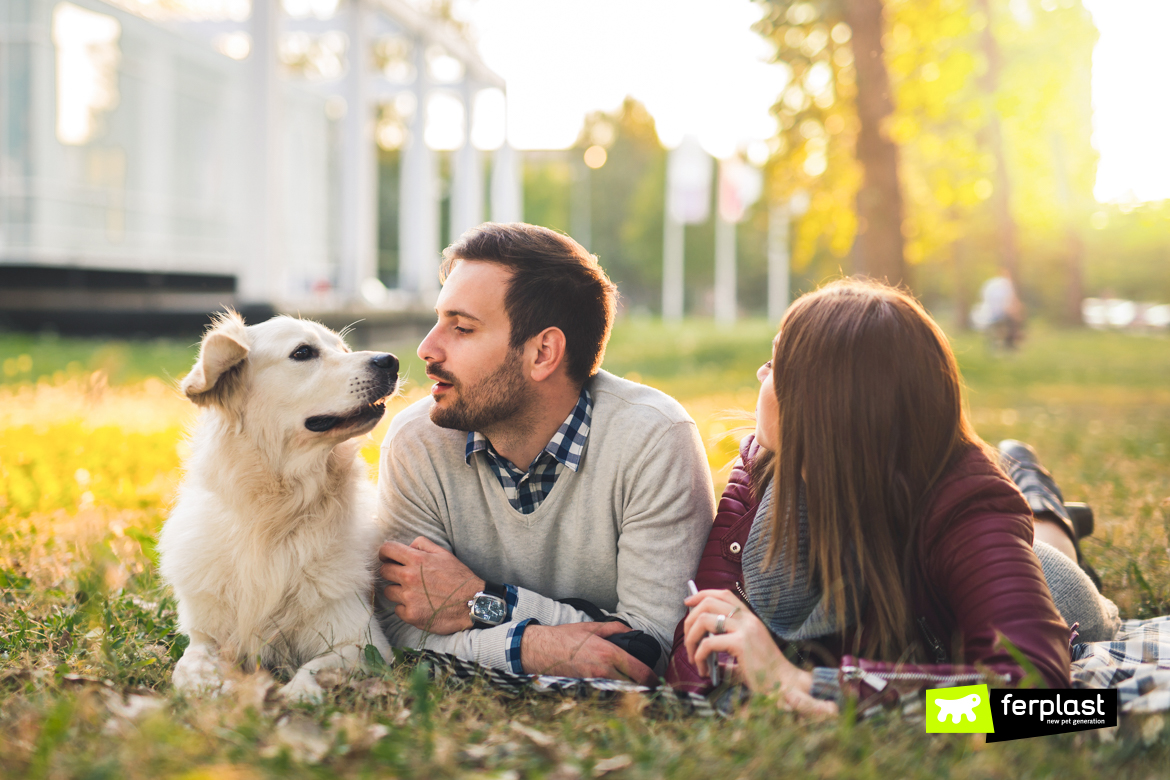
[(760, 664)]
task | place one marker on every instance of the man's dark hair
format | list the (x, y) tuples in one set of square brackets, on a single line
[(555, 284)]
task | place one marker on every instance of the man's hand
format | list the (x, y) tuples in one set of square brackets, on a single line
[(581, 650), (430, 586)]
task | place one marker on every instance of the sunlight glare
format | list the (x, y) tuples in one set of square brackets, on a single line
[(1131, 117), (444, 126), (87, 69), (696, 65)]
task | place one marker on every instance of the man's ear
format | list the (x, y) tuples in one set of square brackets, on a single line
[(224, 348), (549, 346)]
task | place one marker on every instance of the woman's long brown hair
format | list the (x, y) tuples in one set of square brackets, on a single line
[(871, 416)]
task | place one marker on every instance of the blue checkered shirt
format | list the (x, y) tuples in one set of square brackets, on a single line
[(525, 490)]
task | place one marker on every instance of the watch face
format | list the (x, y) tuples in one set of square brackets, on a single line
[(489, 609)]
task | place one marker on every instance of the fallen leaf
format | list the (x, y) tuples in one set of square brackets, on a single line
[(252, 690), (331, 678), (360, 734), (633, 704), (564, 772), (539, 738), (372, 687), (1152, 729), (305, 740), (125, 712), (611, 764)]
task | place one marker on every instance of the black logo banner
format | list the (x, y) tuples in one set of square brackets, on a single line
[(1019, 714)]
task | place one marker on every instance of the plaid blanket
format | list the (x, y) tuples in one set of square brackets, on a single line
[(516, 684), (1136, 663)]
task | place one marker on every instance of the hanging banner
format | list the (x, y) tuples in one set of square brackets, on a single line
[(688, 183), (740, 185)]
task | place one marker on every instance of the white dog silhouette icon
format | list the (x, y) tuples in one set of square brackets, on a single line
[(958, 708)]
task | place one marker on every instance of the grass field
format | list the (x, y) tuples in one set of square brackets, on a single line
[(90, 447)]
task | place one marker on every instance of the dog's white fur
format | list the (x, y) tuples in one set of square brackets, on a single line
[(271, 546)]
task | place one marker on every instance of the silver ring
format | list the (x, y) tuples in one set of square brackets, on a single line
[(731, 614), (720, 624)]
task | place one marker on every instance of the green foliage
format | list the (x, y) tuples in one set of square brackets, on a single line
[(1129, 251), (616, 212), (626, 198), (948, 121), (548, 180), (389, 179), (24, 358)]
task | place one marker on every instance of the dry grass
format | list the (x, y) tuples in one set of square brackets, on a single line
[(87, 634)]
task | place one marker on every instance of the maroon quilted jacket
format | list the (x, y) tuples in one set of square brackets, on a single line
[(978, 572)]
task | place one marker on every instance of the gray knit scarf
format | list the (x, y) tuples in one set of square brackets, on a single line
[(793, 608)]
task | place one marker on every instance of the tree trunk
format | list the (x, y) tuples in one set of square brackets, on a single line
[(1075, 293), (962, 288), (1009, 246), (878, 250)]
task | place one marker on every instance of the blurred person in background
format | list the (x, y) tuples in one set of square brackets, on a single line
[(1000, 312), (867, 530)]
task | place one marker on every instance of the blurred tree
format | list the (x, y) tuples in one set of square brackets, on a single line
[(1044, 101), (389, 171), (991, 121), (834, 138), (623, 226), (878, 251), (1131, 248), (625, 197), (1009, 250), (547, 179)]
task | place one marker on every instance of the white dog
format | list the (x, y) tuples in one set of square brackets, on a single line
[(272, 544)]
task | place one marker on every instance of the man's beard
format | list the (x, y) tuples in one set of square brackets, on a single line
[(500, 396)]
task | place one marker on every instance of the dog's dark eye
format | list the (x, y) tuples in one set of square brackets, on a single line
[(303, 352)]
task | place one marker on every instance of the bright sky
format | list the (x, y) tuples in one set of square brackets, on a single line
[(699, 69), (1131, 113), (695, 64)]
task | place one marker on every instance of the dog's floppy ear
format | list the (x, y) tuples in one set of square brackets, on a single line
[(223, 349)]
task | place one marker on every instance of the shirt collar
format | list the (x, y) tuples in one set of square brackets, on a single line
[(567, 445)]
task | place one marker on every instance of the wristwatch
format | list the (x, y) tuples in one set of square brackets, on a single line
[(488, 607)]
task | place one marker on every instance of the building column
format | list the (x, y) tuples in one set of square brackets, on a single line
[(261, 278), (673, 280), (467, 177), (779, 260), (359, 193), (418, 209), (725, 298), (157, 182), (507, 203), (725, 294)]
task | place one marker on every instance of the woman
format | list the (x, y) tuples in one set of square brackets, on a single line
[(867, 525)]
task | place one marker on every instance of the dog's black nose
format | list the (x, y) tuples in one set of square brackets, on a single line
[(386, 362)]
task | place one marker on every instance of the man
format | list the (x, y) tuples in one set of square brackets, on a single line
[(529, 476)]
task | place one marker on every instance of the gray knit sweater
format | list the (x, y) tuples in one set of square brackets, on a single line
[(624, 531)]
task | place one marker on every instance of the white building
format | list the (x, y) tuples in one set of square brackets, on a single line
[(175, 165)]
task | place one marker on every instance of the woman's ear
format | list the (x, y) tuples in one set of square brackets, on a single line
[(223, 350)]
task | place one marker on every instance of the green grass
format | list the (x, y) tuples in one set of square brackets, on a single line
[(28, 358), (84, 622)]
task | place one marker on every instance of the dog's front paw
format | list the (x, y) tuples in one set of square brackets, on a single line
[(302, 688), (198, 673)]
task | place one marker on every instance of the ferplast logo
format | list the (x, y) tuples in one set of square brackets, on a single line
[(1004, 714), (963, 710)]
